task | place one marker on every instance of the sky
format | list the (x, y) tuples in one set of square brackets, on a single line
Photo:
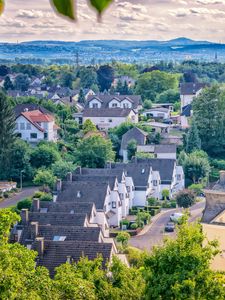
[(25, 20)]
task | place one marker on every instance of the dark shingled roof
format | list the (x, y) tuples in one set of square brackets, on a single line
[(106, 98), (191, 88), (133, 134), (106, 112), (169, 148), (111, 180), (72, 233), (19, 108), (78, 191), (164, 166), (58, 219), (100, 172), (138, 171), (67, 207), (57, 253)]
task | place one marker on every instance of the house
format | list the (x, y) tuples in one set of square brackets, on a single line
[(135, 134), (157, 113), (213, 220), (129, 81), (7, 186), (164, 105), (36, 125), (159, 151), (105, 118), (114, 101), (188, 91)]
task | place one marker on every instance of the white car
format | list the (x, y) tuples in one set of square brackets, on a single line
[(176, 217)]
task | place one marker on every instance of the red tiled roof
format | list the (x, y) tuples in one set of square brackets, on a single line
[(36, 116)]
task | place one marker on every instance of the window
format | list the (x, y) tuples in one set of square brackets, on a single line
[(78, 194), (58, 238), (128, 189), (178, 177), (114, 105), (22, 126), (19, 135), (33, 135), (28, 126), (45, 135), (95, 105), (113, 204), (155, 182), (110, 120), (121, 196)]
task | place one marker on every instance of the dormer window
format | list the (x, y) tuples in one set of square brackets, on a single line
[(142, 171), (95, 105), (114, 105), (43, 210), (72, 211), (78, 194), (58, 238)]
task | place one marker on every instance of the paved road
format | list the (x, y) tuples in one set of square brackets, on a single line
[(155, 234), (26, 192)]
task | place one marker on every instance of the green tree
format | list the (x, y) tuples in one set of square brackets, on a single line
[(180, 269), (67, 79), (8, 85), (25, 203), (89, 126), (105, 75), (88, 77), (150, 84), (147, 104), (209, 114), (94, 152), (193, 141), (131, 148), (81, 98), (196, 168), (20, 160), (7, 220), (4, 70), (168, 96), (185, 198), (22, 82), (44, 178), (60, 168), (165, 194), (7, 136), (123, 238), (44, 155)]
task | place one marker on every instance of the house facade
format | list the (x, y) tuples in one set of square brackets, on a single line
[(188, 91), (35, 126)]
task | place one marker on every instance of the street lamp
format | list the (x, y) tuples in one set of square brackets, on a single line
[(21, 179)]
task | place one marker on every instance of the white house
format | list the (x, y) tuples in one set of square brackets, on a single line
[(188, 91), (35, 126), (109, 117)]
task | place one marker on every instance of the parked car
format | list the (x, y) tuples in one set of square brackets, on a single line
[(170, 227), (176, 217), (168, 121)]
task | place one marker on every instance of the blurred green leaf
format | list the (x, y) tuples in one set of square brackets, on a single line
[(2, 4), (100, 5), (64, 7)]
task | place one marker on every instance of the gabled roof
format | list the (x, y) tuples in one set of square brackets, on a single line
[(105, 99), (133, 134), (72, 233), (106, 112), (57, 253), (111, 180), (191, 88), (35, 117), (163, 148), (64, 219), (19, 108), (99, 172), (84, 192)]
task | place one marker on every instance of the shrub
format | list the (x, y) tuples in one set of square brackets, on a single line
[(46, 197), (173, 204), (25, 203), (196, 188), (185, 198), (166, 204), (134, 226), (38, 194), (152, 201), (6, 194), (123, 238)]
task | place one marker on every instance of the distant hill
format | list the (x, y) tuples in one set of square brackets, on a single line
[(106, 50)]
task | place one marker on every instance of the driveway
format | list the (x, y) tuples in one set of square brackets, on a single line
[(26, 192), (155, 234)]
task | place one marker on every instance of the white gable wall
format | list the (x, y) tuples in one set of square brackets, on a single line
[(26, 133)]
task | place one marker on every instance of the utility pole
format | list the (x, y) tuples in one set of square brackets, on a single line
[(21, 179)]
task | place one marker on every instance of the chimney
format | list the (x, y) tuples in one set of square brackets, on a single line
[(24, 216), (36, 204), (109, 165), (222, 177), (40, 246), (79, 170), (34, 230), (69, 177), (68, 259), (59, 185)]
